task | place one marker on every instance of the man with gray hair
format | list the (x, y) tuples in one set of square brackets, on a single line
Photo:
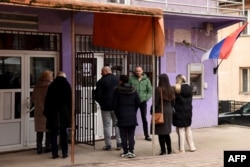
[(104, 96), (57, 110)]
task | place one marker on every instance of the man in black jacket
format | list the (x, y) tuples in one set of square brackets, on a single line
[(104, 96), (57, 110)]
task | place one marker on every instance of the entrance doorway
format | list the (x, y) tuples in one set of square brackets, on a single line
[(88, 114), (19, 71)]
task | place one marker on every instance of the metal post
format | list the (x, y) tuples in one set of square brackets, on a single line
[(73, 87), (153, 85)]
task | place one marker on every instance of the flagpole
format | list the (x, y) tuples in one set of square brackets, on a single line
[(216, 68)]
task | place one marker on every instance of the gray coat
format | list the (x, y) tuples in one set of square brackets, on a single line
[(166, 128)]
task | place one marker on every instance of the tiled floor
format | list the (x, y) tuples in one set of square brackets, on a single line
[(210, 143)]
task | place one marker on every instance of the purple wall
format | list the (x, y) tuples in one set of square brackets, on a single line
[(205, 111), (67, 49)]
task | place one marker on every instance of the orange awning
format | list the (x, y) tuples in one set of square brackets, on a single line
[(129, 33), (117, 26), (79, 5)]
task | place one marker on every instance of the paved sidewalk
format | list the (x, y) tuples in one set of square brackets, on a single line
[(210, 143)]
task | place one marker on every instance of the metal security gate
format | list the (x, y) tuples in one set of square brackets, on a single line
[(89, 62), (85, 113)]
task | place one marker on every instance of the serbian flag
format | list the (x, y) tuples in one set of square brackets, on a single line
[(222, 49)]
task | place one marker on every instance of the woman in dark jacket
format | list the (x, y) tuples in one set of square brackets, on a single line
[(57, 110), (182, 118), (163, 130), (126, 102)]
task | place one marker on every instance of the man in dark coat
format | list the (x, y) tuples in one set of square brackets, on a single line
[(126, 103), (57, 110), (104, 96)]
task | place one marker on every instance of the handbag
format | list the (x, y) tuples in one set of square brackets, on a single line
[(159, 117)]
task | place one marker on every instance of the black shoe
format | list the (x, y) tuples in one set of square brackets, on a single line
[(162, 153), (148, 139), (119, 146), (47, 150), (107, 148), (39, 150), (65, 155), (55, 156)]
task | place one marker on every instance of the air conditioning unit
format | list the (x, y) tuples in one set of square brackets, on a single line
[(120, 1), (17, 21)]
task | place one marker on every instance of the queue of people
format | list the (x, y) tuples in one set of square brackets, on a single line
[(119, 100)]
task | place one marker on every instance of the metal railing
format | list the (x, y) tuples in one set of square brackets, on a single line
[(202, 6), (230, 105), (221, 7)]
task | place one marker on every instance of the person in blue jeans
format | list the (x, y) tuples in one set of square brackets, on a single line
[(104, 96)]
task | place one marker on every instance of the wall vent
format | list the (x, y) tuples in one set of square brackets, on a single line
[(17, 21)]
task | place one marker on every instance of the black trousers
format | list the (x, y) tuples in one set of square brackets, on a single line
[(63, 140), (128, 138), (39, 140), (165, 139), (143, 109)]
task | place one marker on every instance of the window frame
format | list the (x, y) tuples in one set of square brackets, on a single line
[(196, 69), (242, 82), (247, 29)]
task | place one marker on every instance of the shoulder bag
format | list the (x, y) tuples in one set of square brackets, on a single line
[(159, 117)]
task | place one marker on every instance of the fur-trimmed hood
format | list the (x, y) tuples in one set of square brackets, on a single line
[(125, 89)]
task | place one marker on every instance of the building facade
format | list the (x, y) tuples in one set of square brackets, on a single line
[(38, 35), (233, 73)]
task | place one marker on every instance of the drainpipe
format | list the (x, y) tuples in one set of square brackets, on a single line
[(153, 85), (73, 86)]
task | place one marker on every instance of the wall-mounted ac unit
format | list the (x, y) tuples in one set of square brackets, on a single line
[(120, 1), (17, 21)]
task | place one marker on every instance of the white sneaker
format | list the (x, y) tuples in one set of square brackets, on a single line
[(130, 155), (124, 155)]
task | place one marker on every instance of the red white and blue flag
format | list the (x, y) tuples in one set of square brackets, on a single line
[(222, 49)]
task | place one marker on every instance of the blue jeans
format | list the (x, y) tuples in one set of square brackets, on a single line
[(109, 120)]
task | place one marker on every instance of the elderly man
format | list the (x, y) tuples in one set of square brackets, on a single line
[(57, 110)]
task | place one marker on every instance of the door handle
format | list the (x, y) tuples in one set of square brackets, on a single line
[(28, 103)]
